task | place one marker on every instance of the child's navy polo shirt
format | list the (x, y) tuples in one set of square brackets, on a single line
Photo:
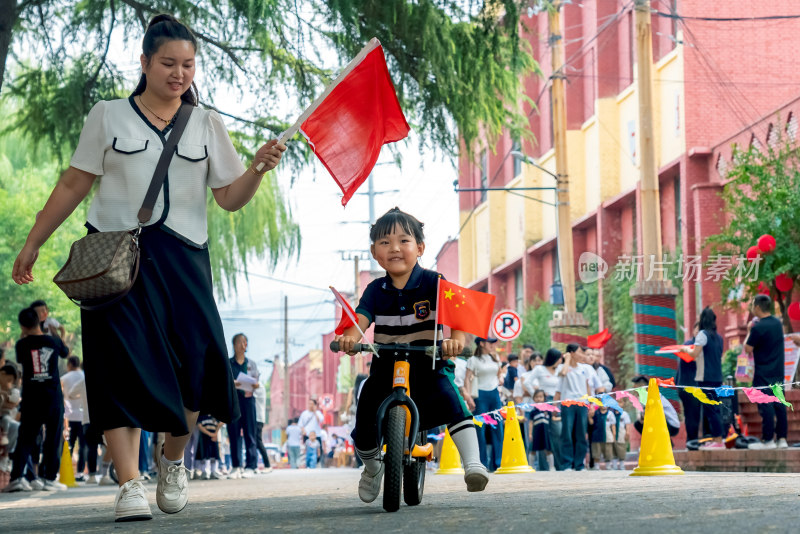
[(404, 315)]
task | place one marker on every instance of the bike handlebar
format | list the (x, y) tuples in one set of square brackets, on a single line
[(427, 350)]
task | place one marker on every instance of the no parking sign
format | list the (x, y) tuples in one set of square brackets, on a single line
[(506, 325)]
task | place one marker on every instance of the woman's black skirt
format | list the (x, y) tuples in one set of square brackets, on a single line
[(162, 348)]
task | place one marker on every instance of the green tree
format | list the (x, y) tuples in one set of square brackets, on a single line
[(761, 198), (535, 326)]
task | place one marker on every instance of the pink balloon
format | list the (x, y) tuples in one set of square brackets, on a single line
[(794, 311), (784, 282), (766, 243)]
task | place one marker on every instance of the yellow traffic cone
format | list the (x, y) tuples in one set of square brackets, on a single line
[(514, 458), (450, 463), (65, 474), (655, 451)]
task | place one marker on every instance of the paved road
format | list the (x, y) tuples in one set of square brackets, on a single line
[(325, 500)]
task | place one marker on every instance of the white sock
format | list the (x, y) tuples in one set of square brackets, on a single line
[(173, 462), (213, 465), (371, 462), (466, 440)]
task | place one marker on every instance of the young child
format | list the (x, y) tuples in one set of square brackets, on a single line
[(313, 450), (49, 325), (42, 401), (540, 433), (208, 446), (402, 305), (9, 400), (601, 439), (618, 424)]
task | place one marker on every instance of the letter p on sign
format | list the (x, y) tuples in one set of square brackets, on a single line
[(507, 325)]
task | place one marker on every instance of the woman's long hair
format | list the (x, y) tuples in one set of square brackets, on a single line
[(479, 351), (163, 28), (708, 320)]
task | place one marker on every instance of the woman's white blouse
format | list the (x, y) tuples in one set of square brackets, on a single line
[(117, 145), (485, 369)]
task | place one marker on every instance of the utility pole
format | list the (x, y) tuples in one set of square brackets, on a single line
[(569, 326), (286, 393), (650, 219), (566, 264), (653, 297)]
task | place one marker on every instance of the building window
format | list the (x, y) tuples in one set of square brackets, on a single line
[(516, 146), (484, 173), (519, 291), (791, 127)]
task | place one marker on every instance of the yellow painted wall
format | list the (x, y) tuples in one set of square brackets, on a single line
[(602, 163)]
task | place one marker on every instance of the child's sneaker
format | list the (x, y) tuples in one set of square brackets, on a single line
[(370, 485), (20, 484), (52, 485), (37, 484), (782, 444), (106, 480), (172, 492), (216, 475), (712, 445), (759, 445), (131, 502), (476, 478)]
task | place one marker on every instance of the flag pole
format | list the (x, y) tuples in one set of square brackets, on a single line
[(436, 322), (354, 319), (288, 134)]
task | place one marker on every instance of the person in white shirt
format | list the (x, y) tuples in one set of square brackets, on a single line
[(459, 378), (158, 356), (294, 440), (546, 378), (73, 384), (673, 423), (260, 396), (484, 368), (574, 378), (311, 421)]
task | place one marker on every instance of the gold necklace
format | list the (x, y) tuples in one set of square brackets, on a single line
[(153, 112)]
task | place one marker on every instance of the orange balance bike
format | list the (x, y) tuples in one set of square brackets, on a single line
[(403, 444)]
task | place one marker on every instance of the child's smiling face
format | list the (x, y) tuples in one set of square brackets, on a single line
[(397, 252)]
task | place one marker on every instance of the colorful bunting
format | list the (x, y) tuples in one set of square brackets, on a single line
[(543, 406), (642, 392), (701, 396), (777, 389), (477, 423), (758, 396), (488, 420), (724, 391), (609, 401), (634, 400), (668, 382), (593, 400), (574, 403)]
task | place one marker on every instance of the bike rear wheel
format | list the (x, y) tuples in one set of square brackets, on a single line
[(393, 459)]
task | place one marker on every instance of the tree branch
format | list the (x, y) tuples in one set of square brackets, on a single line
[(93, 79), (275, 128)]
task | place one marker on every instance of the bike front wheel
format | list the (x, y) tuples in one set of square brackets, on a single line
[(393, 459)]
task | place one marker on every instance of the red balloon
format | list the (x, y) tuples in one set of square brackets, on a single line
[(766, 243), (763, 288), (794, 311), (752, 253), (784, 282)]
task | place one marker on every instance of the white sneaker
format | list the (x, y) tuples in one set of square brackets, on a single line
[(236, 472), (20, 484), (172, 492), (216, 475), (197, 474), (248, 473), (131, 502), (370, 485), (5, 464), (759, 445), (106, 480), (782, 444), (93, 478), (476, 478), (36, 484), (52, 485)]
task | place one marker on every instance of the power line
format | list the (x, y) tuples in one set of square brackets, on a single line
[(725, 19), (282, 281)]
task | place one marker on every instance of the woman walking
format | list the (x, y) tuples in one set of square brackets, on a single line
[(157, 357)]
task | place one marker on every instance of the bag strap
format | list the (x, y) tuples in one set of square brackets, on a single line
[(160, 174)]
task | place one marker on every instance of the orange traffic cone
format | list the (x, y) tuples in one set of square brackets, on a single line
[(655, 452), (450, 462), (514, 459), (65, 474)]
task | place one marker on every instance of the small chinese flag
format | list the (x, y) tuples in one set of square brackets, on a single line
[(348, 315), (358, 117), (464, 309)]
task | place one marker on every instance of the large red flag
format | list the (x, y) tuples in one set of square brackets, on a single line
[(464, 309), (352, 123)]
